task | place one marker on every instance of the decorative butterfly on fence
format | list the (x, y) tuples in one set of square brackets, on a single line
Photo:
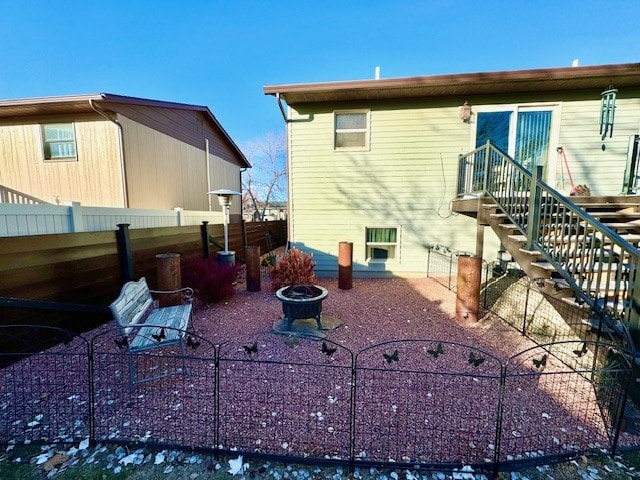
[(121, 343), (540, 362), (158, 337), (582, 351), (192, 343), (437, 352), (328, 351), (475, 361), (250, 350), (391, 358)]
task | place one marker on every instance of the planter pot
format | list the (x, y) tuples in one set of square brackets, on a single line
[(302, 301)]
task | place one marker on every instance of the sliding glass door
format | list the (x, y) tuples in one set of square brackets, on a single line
[(522, 133)]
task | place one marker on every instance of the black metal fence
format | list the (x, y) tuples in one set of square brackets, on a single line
[(403, 404), (523, 303)]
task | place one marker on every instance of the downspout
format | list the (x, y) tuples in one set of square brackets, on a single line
[(287, 120), (103, 114), (242, 170), (282, 110), (207, 161)]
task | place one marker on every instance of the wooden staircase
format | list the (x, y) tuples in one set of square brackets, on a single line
[(581, 250), (625, 220)]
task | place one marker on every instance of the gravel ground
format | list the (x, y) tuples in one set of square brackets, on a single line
[(374, 311)]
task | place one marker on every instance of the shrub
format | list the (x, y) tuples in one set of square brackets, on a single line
[(210, 280), (294, 268), (268, 260)]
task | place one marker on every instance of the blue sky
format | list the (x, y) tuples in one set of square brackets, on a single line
[(221, 53)]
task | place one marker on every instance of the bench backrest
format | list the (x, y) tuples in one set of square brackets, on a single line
[(131, 305)]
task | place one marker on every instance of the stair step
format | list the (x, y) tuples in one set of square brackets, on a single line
[(518, 238), (533, 253), (560, 284), (583, 203), (544, 266), (574, 302), (498, 215), (632, 226), (508, 226), (595, 267), (620, 215)]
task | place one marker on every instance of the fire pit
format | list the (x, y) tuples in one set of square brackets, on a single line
[(302, 301)]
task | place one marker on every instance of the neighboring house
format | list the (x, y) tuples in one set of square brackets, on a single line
[(375, 162), (116, 151)]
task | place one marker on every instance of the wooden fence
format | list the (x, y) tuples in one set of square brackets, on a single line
[(85, 268)]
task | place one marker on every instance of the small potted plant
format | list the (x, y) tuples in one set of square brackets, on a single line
[(293, 279)]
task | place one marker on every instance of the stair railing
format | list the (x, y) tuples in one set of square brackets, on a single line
[(594, 260)]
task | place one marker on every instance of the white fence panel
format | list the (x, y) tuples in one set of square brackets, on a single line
[(33, 219), (29, 219)]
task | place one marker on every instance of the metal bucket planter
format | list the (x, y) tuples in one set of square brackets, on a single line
[(302, 301)]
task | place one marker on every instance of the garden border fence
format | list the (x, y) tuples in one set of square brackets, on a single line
[(520, 301), (427, 403)]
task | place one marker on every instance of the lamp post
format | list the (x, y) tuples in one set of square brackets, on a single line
[(224, 199)]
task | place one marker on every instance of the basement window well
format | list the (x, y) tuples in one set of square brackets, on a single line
[(382, 243)]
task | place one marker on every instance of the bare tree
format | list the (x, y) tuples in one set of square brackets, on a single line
[(266, 181)]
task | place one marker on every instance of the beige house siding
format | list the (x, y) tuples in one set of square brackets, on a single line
[(165, 172), (162, 172), (93, 179), (188, 126), (405, 180)]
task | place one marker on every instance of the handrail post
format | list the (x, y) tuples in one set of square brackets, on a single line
[(633, 316), (462, 174), (533, 217), (487, 164)]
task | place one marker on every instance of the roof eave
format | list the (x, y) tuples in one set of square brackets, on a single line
[(555, 79)]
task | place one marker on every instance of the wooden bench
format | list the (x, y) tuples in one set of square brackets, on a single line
[(144, 325)]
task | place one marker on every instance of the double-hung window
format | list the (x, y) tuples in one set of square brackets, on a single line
[(351, 130), (59, 142), (382, 243)]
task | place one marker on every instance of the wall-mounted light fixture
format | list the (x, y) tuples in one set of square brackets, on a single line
[(465, 112), (607, 111)]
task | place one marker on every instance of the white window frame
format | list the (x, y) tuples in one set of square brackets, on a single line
[(515, 108), (44, 143), (366, 130), (396, 244)]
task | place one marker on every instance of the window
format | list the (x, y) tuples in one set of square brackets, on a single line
[(58, 141), (524, 133), (382, 243), (351, 130)]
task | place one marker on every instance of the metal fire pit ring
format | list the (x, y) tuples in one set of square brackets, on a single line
[(302, 301)]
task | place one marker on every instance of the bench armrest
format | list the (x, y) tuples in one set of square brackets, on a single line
[(187, 293)]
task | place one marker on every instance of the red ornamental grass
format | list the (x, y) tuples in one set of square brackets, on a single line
[(294, 268), (211, 281)]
